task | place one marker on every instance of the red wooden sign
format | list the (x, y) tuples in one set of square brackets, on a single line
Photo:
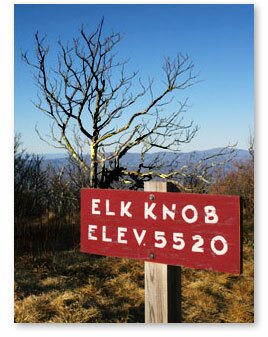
[(191, 230)]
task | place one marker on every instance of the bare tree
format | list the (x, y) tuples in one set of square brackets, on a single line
[(96, 107), (30, 184)]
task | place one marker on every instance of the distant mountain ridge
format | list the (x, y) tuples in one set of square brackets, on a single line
[(131, 160)]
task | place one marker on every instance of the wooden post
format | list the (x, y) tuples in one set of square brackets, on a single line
[(162, 282)]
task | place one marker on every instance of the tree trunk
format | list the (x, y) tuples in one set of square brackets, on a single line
[(93, 174)]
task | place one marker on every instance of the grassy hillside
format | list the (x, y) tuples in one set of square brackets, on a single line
[(68, 287), (54, 282)]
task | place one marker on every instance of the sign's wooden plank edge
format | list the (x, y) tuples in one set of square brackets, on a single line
[(181, 194)]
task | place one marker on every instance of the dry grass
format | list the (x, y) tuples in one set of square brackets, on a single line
[(73, 287), (219, 298)]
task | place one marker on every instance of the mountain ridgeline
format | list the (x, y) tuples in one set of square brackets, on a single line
[(131, 160)]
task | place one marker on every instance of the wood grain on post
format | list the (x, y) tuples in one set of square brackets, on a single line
[(162, 282)]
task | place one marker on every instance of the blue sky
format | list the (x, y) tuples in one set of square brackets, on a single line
[(218, 38)]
